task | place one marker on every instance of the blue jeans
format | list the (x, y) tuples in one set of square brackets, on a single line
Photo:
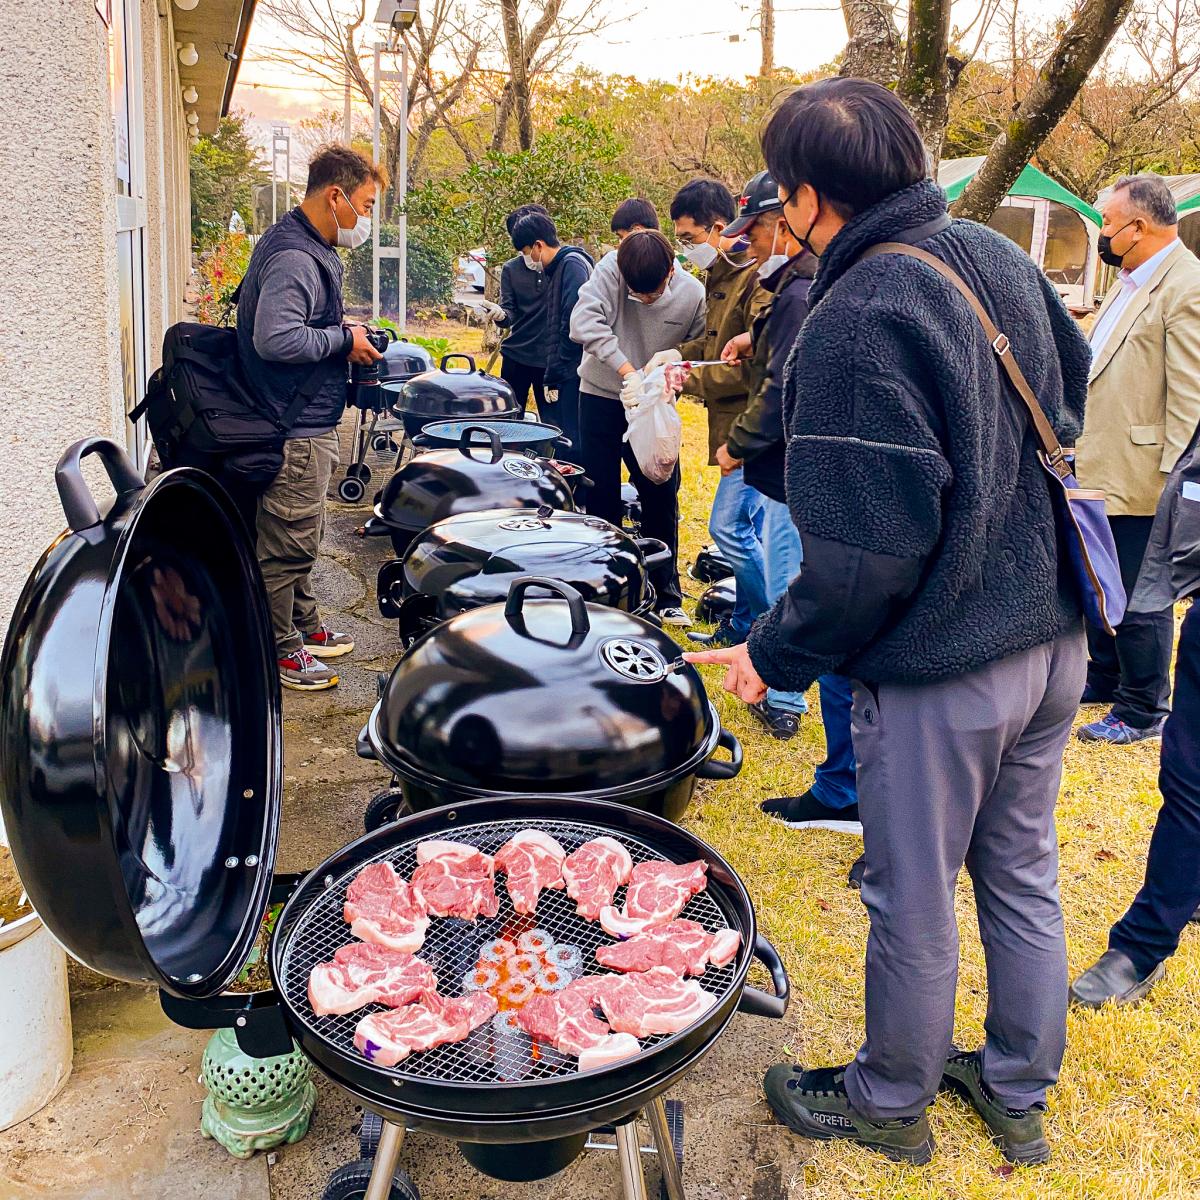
[(734, 526), (835, 783), (782, 556)]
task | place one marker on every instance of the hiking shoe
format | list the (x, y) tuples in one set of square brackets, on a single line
[(781, 723), (1017, 1131), (1114, 731), (814, 1104), (299, 670), (858, 868), (674, 615), (720, 637), (1112, 977), (327, 644), (807, 812)]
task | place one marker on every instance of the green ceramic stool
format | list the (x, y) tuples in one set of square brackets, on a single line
[(254, 1103)]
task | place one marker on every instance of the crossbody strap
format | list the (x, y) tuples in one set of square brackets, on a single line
[(1052, 451)]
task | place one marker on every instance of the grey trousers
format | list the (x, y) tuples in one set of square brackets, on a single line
[(291, 520), (964, 771)]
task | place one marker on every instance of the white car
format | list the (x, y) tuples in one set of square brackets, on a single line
[(471, 269)]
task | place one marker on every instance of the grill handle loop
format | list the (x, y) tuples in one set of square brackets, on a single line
[(711, 769), (514, 606), (79, 505), (757, 1002), (451, 357), (466, 443), (655, 552)]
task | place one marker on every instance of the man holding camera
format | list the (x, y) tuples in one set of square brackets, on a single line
[(292, 342)]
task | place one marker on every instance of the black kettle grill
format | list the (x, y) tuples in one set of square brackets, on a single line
[(141, 736), (447, 395), (471, 559)]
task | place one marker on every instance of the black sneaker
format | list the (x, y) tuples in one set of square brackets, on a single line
[(807, 812), (781, 723), (720, 637), (814, 1104), (1017, 1131), (858, 869)]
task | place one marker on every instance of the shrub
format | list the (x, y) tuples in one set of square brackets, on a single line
[(221, 270), (430, 273)]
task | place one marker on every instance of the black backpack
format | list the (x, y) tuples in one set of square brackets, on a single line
[(202, 413)]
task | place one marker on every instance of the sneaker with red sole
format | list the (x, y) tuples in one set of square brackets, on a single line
[(327, 644), (303, 673)]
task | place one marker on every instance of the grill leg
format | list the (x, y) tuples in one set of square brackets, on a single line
[(629, 1150), (387, 1158), (656, 1114)]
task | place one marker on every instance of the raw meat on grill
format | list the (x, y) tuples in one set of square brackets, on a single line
[(657, 893), (386, 1039), (565, 1020), (385, 909), (532, 860), (362, 974), (593, 874), (683, 946), (650, 1002), (455, 880)]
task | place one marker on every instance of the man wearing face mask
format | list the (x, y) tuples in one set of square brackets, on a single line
[(1143, 406), (701, 211), (522, 311), (292, 343)]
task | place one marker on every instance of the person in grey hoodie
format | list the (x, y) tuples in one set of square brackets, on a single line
[(635, 305)]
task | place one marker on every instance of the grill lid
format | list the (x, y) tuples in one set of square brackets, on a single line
[(472, 559), (542, 695), (446, 393)]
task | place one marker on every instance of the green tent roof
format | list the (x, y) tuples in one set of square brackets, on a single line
[(956, 173)]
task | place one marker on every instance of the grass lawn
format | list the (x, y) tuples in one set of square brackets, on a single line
[(1124, 1121)]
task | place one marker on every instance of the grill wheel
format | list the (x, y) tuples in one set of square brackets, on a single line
[(350, 1183)]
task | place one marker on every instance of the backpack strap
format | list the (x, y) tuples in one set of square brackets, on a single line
[(1052, 450)]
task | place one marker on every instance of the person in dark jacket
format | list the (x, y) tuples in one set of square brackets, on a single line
[(1148, 934), (522, 311), (291, 339), (933, 577), (756, 441), (566, 270)]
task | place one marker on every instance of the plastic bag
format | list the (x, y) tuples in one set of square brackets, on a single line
[(655, 430)]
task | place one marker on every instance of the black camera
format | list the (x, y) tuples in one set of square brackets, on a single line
[(364, 391)]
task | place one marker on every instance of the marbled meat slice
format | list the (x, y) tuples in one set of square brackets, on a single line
[(651, 1002), (386, 1039), (385, 909), (656, 895), (362, 974), (566, 1021), (684, 946), (593, 874), (532, 860), (455, 880)]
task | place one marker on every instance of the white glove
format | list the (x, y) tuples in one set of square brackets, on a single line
[(662, 358), (631, 388), (551, 395), (492, 310)]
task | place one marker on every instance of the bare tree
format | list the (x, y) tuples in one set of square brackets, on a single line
[(766, 29), (925, 82), (873, 48)]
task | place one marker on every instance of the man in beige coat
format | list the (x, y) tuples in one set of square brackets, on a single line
[(1143, 407)]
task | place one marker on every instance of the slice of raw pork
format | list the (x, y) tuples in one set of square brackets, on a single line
[(434, 1020), (362, 974), (657, 893), (650, 1002), (684, 946), (532, 860), (385, 909), (593, 874), (455, 880), (566, 1021)]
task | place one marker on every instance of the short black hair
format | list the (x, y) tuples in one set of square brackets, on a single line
[(335, 165), (706, 201), (532, 227), (850, 139), (1151, 196), (645, 260), (520, 211), (634, 211)]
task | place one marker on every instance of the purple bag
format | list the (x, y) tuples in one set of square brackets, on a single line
[(1084, 531)]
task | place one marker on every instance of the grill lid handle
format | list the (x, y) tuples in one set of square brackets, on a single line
[(466, 441), (78, 503), (757, 1002), (515, 604), (450, 357)]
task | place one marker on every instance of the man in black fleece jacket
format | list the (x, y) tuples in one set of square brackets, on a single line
[(934, 579)]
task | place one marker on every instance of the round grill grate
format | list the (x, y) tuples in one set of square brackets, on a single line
[(452, 948)]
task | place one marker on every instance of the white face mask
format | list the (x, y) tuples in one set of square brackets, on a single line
[(531, 262), (702, 256), (358, 233), (771, 265)]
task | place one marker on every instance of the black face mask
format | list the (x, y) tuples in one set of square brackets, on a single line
[(1104, 247), (804, 242)]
